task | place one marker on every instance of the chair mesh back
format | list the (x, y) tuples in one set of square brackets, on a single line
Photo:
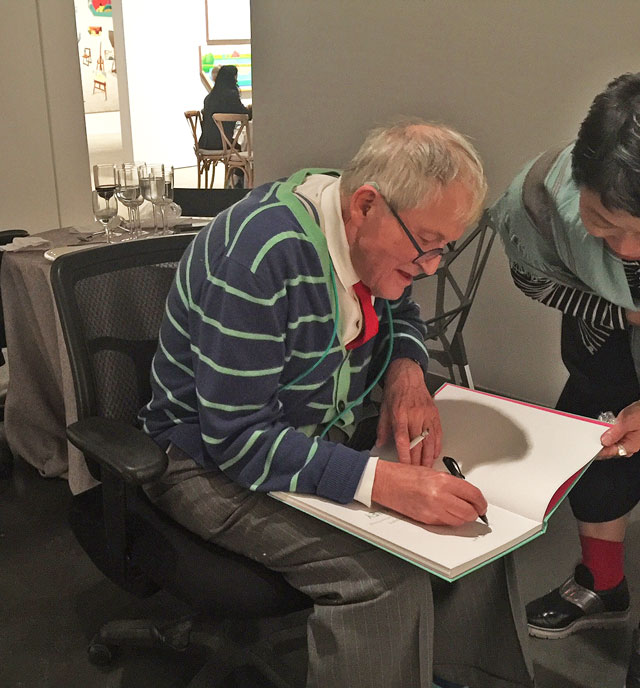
[(111, 303), (121, 312)]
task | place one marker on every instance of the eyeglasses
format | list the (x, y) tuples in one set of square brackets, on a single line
[(422, 255)]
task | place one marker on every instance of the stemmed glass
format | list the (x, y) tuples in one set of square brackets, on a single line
[(104, 178), (104, 211), (152, 186), (129, 194), (167, 198)]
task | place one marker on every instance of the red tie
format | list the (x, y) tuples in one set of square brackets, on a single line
[(369, 315)]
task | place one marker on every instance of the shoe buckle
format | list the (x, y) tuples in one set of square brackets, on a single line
[(587, 600)]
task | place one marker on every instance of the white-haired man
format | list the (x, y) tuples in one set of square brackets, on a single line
[(284, 313)]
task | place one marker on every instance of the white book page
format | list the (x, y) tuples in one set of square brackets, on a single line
[(517, 454), (443, 548)]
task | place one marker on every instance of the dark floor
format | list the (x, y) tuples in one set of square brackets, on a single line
[(52, 600)]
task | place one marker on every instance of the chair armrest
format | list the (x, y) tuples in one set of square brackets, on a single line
[(121, 448)]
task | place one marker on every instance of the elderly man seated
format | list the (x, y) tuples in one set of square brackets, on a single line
[(285, 312)]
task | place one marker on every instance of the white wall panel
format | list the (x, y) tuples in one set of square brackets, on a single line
[(515, 76), (44, 170)]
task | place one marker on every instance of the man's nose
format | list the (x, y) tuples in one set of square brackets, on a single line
[(430, 265)]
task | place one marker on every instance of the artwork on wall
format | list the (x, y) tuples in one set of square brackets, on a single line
[(228, 42), (97, 55), (238, 55), (100, 8)]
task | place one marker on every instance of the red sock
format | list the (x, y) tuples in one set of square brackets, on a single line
[(605, 560)]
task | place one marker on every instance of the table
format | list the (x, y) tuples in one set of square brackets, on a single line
[(40, 400)]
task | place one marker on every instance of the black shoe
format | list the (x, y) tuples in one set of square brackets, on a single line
[(574, 606)]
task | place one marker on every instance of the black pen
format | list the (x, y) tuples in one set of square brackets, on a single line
[(453, 468)]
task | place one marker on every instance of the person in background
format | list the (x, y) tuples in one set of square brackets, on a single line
[(283, 315), (570, 224), (224, 97)]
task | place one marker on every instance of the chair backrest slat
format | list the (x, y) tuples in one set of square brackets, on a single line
[(235, 157)]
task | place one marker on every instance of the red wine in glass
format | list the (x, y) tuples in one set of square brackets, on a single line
[(106, 191)]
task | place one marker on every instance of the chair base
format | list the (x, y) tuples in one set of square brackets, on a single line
[(231, 647), (137, 633)]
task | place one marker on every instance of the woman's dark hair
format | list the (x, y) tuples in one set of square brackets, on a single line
[(227, 79), (606, 155)]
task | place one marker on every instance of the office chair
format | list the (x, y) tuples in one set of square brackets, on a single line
[(6, 455), (206, 202), (455, 284), (110, 302)]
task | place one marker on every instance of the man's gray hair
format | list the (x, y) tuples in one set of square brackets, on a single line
[(411, 162)]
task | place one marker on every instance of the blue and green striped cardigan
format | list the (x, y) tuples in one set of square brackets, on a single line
[(252, 307)]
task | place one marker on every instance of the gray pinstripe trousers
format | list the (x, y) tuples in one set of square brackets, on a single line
[(378, 622)]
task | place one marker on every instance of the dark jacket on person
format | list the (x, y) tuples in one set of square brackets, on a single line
[(219, 100)]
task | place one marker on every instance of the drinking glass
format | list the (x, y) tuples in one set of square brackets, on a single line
[(104, 209), (128, 192), (152, 187), (167, 198), (104, 179)]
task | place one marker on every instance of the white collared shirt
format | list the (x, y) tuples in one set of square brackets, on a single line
[(322, 192)]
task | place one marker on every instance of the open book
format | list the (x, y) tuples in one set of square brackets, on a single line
[(524, 459)]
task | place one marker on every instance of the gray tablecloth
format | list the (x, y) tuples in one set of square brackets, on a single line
[(40, 400)]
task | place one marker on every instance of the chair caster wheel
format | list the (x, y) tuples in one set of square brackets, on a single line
[(101, 654)]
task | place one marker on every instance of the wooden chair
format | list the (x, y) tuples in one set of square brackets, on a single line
[(206, 159), (100, 83), (234, 157)]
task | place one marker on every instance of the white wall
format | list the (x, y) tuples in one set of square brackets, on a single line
[(44, 170), (161, 49), (515, 76)]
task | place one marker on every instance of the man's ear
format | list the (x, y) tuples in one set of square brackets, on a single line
[(361, 202)]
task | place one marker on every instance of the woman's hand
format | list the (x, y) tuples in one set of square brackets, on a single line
[(624, 433)]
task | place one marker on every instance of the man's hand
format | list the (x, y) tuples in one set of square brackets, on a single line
[(426, 495), (407, 410), (625, 432)]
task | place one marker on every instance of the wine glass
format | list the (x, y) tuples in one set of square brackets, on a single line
[(167, 198), (128, 192), (152, 187), (104, 210), (104, 179)]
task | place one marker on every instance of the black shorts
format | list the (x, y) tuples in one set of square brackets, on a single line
[(603, 381)]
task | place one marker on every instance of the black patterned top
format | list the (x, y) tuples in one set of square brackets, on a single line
[(599, 316)]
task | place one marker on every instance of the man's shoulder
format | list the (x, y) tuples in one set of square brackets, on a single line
[(262, 211), (260, 232)]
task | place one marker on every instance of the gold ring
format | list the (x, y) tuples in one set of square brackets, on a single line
[(621, 450)]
